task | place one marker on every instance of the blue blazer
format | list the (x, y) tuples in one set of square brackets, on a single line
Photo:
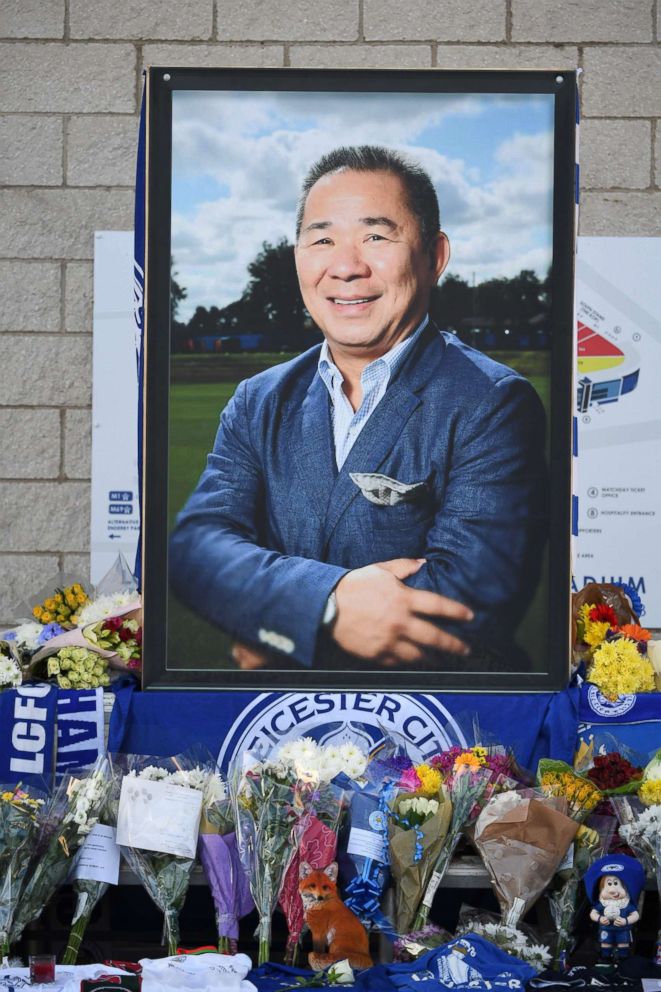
[(273, 525)]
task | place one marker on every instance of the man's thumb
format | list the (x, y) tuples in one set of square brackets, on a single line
[(402, 568)]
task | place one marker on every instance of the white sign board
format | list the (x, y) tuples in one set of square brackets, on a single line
[(115, 505), (618, 470)]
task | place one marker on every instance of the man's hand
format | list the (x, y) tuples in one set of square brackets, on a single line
[(248, 658), (381, 619)]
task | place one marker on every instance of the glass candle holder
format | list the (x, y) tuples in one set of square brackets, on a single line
[(42, 968)]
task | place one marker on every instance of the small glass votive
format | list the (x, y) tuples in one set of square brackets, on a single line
[(42, 968)]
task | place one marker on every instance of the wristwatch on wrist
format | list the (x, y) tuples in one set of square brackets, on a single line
[(330, 613)]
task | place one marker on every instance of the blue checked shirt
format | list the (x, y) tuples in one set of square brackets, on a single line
[(374, 380)]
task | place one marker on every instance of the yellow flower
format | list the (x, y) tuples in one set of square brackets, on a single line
[(58, 597), (430, 779), (81, 599), (618, 668), (47, 617), (73, 618), (650, 792), (71, 600), (77, 588), (595, 631), (481, 753), (468, 761), (49, 604), (37, 612)]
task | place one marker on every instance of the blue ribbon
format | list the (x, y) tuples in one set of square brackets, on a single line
[(364, 897)]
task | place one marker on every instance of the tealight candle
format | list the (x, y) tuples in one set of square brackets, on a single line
[(42, 968)]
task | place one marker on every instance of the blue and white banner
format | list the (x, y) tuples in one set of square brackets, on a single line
[(233, 722), (27, 734), (79, 728), (630, 721)]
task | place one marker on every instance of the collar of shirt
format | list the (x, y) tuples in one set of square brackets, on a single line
[(374, 380)]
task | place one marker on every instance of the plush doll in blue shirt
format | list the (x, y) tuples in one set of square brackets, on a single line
[(613, 884)]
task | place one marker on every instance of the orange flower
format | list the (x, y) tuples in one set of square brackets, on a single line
[(635, 632), (466, 762)]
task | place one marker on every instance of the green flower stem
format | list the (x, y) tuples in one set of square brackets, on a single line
[(76, 935), (172, 930), (264, 939), (224, 945)]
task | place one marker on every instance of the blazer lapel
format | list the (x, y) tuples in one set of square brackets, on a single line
[(312, 446)]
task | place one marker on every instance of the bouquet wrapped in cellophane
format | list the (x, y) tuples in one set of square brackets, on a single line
[(519, 941), (270, 820), (158, 820), (95, 869), (522, 837), (72, 813), (315, 766), (22, 809), (557, 778), (466, 785), (219, 854), (591, 842), (418, 825)]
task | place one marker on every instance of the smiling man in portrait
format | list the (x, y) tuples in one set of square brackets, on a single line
[(380, 499)]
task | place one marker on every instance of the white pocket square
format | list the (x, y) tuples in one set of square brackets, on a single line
[(384, 491)]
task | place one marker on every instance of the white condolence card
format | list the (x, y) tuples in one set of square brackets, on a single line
[(158, 816), (98, 858)]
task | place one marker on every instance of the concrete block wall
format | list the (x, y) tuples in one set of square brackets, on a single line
[(70, 83)]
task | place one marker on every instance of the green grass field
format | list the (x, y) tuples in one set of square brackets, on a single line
[(195, 409)]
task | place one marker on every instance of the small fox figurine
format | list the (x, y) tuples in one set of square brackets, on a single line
[(331, 923)]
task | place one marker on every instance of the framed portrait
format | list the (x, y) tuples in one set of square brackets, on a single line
[(358, 364)]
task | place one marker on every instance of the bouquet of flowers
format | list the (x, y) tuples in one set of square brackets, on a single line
[(158, 819), (466, 783), (616, 650), (614, 775), (219, 854), (91, 878), (270, 821), (73, 812), (78, 668), (21, 810), (504, 773), (590, 843), (556, 778), (520, 943), (11, 675), (418, 825), (315, 766), (522, 838)]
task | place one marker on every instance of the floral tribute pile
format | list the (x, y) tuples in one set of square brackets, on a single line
[(385, 818), (74, 638)]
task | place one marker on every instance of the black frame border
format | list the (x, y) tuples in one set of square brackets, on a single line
[(160, 83)]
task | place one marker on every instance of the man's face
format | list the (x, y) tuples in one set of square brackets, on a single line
[(364, 272)]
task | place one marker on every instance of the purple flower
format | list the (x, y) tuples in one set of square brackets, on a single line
[(9, 635), (50, 630)]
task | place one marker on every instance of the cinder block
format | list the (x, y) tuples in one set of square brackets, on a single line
[(126, 19), (68, 79), (30, 296), (31, 150), (507, 56), (435, 20), (288, 20), (622, 81), (615, 153), (78, 444), (214, 56), (46, 370), (32, 19), (361, 56), (46, 516), (78, 568), (22, 577), (101, 151), (60, 223), (581, 20), (30, 444), (623, 214), (78, 297)]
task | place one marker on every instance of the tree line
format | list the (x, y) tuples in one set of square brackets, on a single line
[(271, 307)]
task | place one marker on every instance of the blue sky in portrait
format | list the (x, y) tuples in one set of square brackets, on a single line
[(238, 159)]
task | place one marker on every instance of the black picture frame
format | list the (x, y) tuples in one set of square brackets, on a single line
[(161, 672)]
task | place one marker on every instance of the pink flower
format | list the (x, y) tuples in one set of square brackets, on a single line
[(410, 781)]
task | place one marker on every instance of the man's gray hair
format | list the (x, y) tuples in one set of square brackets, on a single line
[(420, 191)]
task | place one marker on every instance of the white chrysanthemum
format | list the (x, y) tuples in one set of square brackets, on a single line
[(27, 635), (193, 778), (330, 764), (153, 773), (354, 760), (215, 790), (10, 673), (104, 607)]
